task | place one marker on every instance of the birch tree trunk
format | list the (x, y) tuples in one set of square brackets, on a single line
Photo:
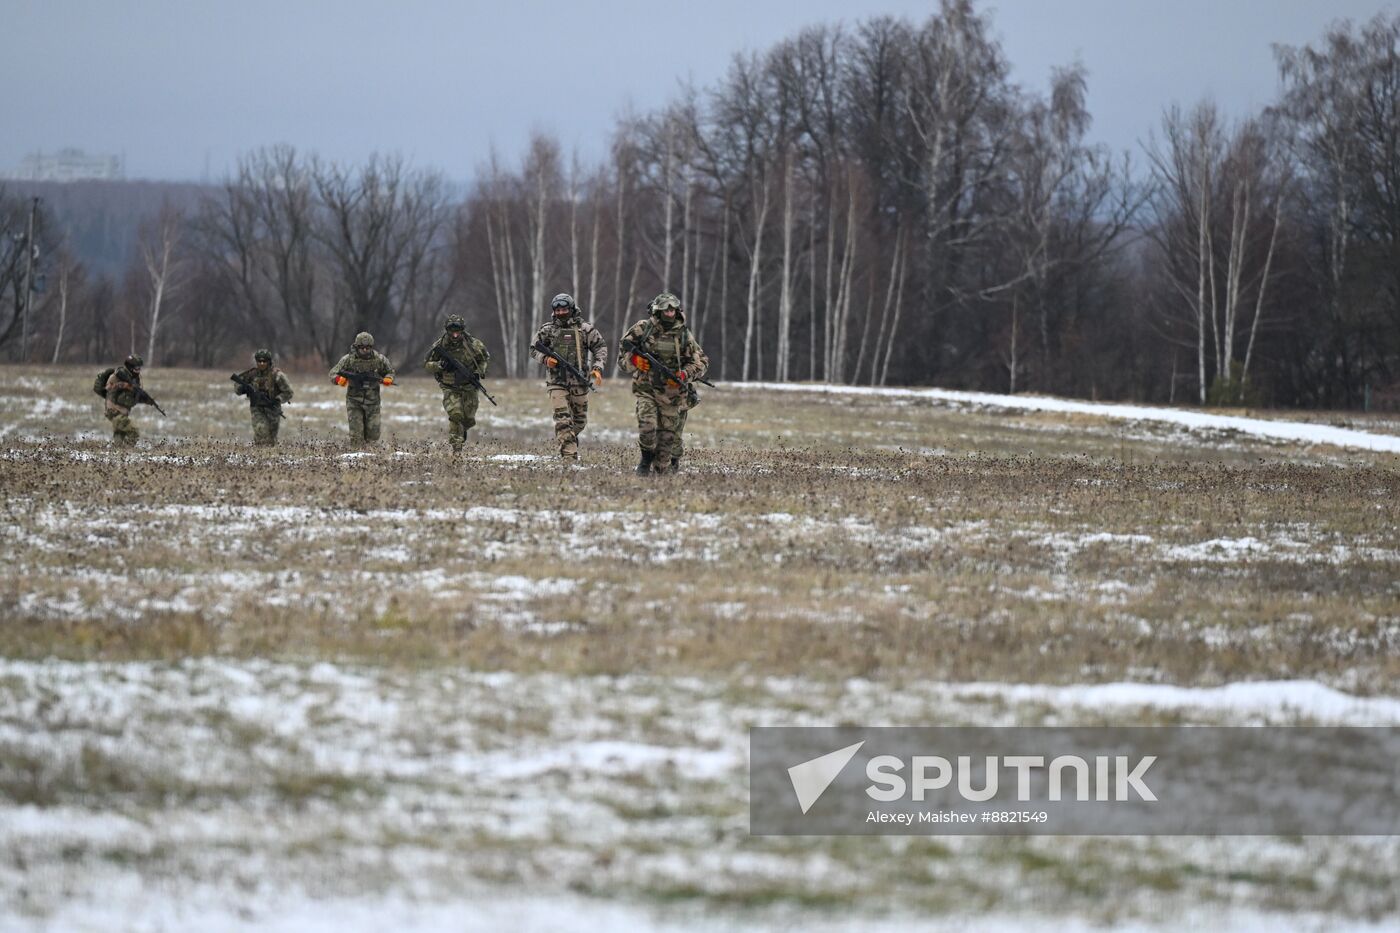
[(157, 258), (538, 228), (1263, 285), (785, 294), (574, 279), (827, 304), (885, 310), (670, 211), (685, 241), (898, 307), (65, 271), (755, 273), (812, 290), (593, 265), (836, 367), (622, 306), (1202, 280), (724, 291)]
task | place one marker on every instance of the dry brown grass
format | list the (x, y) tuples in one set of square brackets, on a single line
[(808, 535)]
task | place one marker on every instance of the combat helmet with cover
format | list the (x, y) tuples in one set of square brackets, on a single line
[(665, 302), (364, 339)]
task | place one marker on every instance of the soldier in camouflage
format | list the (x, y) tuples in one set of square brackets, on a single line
[(121, 398), (582, 345), (459, 398), (362, 396), (276, 391), (662, 405)]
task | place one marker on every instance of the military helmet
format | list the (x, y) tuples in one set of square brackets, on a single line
[(262, 355), (563, 300), (665, 301), (133, 362), (455, 322), (364, 339)]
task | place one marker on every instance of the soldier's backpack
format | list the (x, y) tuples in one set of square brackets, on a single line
[(99, 385)]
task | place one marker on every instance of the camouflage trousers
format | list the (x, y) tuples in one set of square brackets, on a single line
[(661, 428), (363, 415), (123, 431), (570, 415), (265, 425), (460, 404)]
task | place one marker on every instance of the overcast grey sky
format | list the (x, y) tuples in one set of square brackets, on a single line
[(178, 84)]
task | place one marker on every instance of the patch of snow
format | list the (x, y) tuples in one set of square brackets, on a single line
[(1271, 701), (1218, 549), (1192, 420)]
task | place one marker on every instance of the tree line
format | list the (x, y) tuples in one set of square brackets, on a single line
[(878, 204)]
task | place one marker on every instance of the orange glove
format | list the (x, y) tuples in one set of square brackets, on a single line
[(597, 378), (341, 380), (388, 380), (551, 362), (640, 363)]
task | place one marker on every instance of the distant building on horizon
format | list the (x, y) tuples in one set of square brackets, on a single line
[(68, 165)]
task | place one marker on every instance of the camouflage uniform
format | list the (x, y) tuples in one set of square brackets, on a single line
[(459, 398), (362, 400), (662, 405), (583, 346), (121, 398), (273, 384)]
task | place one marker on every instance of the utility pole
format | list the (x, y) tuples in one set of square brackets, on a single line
[(28, 281)]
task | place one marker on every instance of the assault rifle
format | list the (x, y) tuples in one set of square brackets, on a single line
[(542, 348), (144, 397), (360, 379), (463, 372), (258, 396), (636, 349)]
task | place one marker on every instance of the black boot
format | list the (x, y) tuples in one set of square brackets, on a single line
[(644, 467), (675, 466)]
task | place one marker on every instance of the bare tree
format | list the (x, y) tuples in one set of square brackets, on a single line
[(159, 243), (71, 276), (1220, 205), (378, 225)]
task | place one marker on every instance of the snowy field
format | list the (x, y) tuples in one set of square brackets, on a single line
[(323, 688)]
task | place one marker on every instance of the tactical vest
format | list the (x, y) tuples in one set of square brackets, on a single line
[(570, 343), (464, 352), (356, 365), (667, 345), (264, 382)]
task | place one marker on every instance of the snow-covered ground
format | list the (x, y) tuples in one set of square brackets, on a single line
[(895, 573), (1299, 432), (260, 794)]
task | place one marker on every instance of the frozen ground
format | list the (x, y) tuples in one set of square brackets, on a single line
[(259, 792), (318, 687)]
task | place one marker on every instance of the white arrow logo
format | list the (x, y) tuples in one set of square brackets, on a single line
[(811, 778)]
